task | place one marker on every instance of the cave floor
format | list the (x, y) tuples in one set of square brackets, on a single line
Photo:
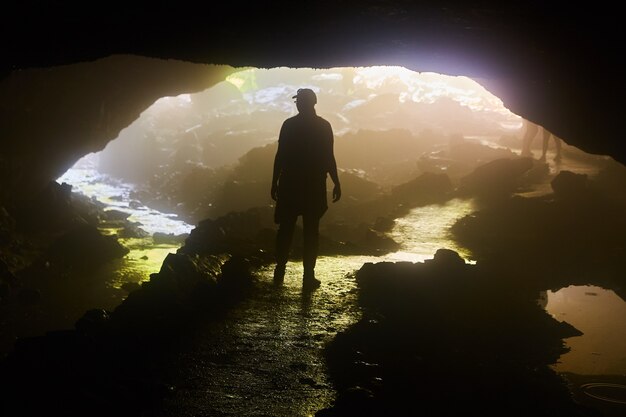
[(266, 356)]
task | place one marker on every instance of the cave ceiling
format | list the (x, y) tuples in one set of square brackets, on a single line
[(555, 63)]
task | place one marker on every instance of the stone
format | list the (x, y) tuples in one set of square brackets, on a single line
[(160, 238), (93, 323), (569, 185), (497, 178), (448, 257), (116, 215), (84, 247), (29, 296), (236, 272)]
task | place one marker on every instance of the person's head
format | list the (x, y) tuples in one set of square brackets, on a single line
[(305, 100)]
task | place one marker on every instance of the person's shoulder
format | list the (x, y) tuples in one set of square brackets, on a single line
[(290, 120), (323, 121)]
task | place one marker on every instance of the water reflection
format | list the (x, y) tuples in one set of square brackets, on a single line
[(601, 315), (426, 229), (85, 179), (145, 257)]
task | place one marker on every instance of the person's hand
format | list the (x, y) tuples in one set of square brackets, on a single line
[(274, 192), (336, 193)]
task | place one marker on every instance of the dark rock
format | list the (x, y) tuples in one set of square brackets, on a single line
[(135, 205), (84, 247), (266, 238), (355, 401), (497, 178), (185, 285), (51, 210), (426, 189), (7, 226), (236, 273), (116, 215), (207, 238), (378, 242), (132, 230), (131, 286), (160, 238), (93, 323), (445, 321), (384, 224), (610, 180), (538, 172), (6, 276), (566, 330), (244, 226), (470, 154), (568, 185), (187, 271), (5, 289), (29, 296), (348, 238), (239, 233), (448, 258)]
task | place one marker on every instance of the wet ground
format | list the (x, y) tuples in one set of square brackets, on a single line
[(266, 357)]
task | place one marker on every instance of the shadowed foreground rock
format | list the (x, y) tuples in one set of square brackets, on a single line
[(445, 338), (574, 236), (112, 363)]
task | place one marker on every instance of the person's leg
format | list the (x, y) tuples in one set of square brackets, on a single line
[(284, 237), (557, 144), (546, 139), (310, 226), (529, 135)]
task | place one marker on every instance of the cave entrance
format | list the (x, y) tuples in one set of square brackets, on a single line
[(176, 152), (200, 155), (207, 154)]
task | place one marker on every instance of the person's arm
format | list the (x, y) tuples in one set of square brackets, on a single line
[(332, 168), (335, 178), (276, 176), (278, 167)]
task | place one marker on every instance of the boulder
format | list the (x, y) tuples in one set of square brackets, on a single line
[(568, 185), (497, 178), (425, 189), (160, 238), (84, 247)]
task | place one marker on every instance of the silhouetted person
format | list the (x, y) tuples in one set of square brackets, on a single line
[(304, 158), (529, 136), (557, 145)]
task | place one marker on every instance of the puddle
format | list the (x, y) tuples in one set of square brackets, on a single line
[(601, 315)]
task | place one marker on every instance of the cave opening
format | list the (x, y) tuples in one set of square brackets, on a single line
[(206, 154), (432, 166), (209, 153)]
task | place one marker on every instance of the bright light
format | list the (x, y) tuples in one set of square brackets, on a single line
[(428, 87)]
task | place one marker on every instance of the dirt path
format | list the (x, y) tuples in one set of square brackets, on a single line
[(266, 357)]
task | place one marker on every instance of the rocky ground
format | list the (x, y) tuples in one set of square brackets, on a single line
[(210, 334)]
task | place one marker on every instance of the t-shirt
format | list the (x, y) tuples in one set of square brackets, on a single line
[(305, 156)]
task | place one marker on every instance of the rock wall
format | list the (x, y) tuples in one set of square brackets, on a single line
[(51, 117)]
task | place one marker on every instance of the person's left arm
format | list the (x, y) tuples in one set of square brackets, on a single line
[(332, 165), (278, 164)]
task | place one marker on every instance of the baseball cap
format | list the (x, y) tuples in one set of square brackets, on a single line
[(306, 94)]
